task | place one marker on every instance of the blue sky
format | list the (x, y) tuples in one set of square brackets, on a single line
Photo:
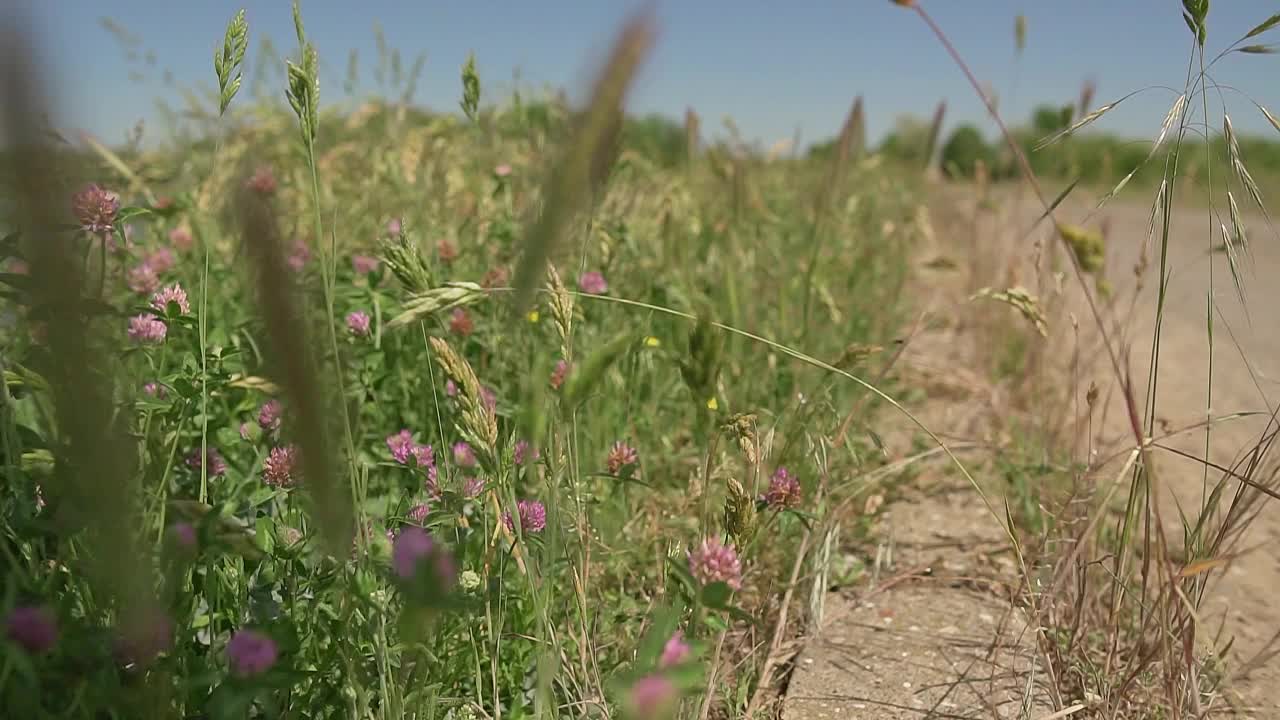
[(774, 67)]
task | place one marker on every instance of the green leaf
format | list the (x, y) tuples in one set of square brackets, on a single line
[(680, 573), (689, 676), (741, 615), (21, 282), (131, 212), (264, 531), (665, 621), (716, 595), (588, 375)]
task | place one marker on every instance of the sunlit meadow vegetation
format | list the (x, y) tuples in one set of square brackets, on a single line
[(529, 409), (278, 441)]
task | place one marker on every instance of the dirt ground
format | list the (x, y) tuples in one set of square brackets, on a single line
[(1246, 370), (853, 667)]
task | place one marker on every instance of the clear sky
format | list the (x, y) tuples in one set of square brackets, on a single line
[(774, 67)]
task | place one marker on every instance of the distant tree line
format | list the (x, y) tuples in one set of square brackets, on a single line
[(1093, 156)]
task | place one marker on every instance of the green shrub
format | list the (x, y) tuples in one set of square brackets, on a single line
[(963, 150)]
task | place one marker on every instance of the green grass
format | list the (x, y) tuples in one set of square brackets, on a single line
[(548, 622)]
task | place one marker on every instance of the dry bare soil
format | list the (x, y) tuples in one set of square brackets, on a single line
[(947, 645)]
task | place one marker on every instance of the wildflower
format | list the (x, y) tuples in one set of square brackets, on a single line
[(143, 279), (472, 487), (418, 513), (463, 455), (246, 431), (358, 323), (18, 266), (489, 397), (533, 316), (95, 209), (269, 415), (502, 170), (409, 453), (364, 264), (520, 452), (469, 580), (450, 388), (533, 517), (675, 651), (291, 535), (394, 227), (651, 341), (34, 628), (183, 536), (401, 445), (263, 181), (714, 562), (155, 390), (496, 277), (147, 329), (279, 469), (414, 548), (403, 448), (447, 251), (161, 260), (784, 490), (559, 374), (180, 237), (652, 697), (460, 322), (299, 255), (251, 653), (621, 456), (213, 462), (172, 294), (592, 282)]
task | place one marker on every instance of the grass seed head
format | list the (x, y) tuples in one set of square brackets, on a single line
[(742, 427), (477, 422), (739, 513)]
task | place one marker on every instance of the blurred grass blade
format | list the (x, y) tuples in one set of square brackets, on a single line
[(580, 170), (585, 378), (94, 488), (298, 374), (1263, 26), (1057, 201), (1270, 118)]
